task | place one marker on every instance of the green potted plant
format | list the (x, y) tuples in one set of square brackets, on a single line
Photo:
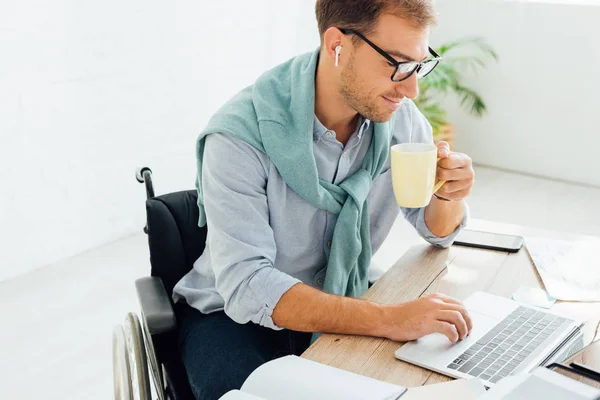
[(461, 57)]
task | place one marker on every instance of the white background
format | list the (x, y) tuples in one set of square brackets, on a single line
[(543, 94), (89, 91), (92, 90)]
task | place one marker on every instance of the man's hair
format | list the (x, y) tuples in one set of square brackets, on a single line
[(362, 15)]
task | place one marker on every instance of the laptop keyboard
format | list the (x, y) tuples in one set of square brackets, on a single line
[(504, 348)]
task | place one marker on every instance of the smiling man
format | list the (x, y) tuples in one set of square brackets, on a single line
[(294, 183)]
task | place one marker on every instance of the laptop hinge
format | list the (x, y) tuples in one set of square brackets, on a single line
[(573, 333)]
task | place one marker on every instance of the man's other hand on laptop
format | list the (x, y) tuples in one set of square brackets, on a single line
[(430, 314)]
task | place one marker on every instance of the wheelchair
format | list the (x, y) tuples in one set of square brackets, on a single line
[(146, 348)]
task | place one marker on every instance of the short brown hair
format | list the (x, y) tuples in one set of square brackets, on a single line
[(362, 15)]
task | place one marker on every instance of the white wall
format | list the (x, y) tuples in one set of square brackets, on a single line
[(89, 91), (543, 96)]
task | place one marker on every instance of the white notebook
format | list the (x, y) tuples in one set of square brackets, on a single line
[(543, 384), (295, 378)]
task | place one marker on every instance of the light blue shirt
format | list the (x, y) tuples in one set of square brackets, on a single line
[(263, 238)]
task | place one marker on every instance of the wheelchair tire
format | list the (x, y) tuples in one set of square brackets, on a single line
[(155, 367), (121, 372), (138, 363)]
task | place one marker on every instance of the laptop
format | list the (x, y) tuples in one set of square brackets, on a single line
[(507, 338)]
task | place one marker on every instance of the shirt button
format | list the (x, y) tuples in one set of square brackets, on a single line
[(328, 244), (328, 133), (346, 155), (320, 281)]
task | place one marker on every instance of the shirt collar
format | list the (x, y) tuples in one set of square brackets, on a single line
[(363, 124), (319, 130)]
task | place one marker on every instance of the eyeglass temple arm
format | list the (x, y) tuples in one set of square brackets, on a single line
[(377, 48), (434, 53)]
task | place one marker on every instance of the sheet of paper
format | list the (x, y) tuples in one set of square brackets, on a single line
[(463, 389), (295, 378), (237, 395), (570, 270)]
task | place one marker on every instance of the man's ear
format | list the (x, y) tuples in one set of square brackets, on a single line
[(332, 43)]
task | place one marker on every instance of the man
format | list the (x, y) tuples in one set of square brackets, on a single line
[(286, 170)]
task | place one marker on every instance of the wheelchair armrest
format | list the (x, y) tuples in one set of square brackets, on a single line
[(157, 310)]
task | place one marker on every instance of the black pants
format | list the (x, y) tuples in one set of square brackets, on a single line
[(219, 354)]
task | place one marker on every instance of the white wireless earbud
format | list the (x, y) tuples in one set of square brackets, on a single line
[(338, 49)]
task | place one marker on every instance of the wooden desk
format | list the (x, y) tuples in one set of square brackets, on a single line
[(456, 272)]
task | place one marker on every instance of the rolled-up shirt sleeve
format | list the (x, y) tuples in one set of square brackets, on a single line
[(421, 132), (416, 216), (242, 244)]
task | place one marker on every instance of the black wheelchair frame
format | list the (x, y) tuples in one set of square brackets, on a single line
[(149, 343)]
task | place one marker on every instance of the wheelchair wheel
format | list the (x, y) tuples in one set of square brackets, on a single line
[(138, 364), (155, 367), (121, 373)]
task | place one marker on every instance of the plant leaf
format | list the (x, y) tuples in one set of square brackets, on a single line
[(448, 77), (478, 42), (470, 101)]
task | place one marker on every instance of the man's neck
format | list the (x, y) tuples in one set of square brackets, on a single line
[(330, 107)]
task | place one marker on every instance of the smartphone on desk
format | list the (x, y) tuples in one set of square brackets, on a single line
[(489, 241)]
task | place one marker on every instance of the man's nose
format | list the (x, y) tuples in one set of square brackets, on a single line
[(409, 87)]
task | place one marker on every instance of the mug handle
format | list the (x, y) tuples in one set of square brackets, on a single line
[(438, 185)]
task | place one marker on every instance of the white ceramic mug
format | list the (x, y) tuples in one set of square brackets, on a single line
[(414, 167)]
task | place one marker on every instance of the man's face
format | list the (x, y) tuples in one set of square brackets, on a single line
[(365, 81)]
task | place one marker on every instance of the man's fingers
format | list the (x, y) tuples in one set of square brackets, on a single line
[(458, 174), (455, 305), (447, 299), (443, 149), (456, 186), (446, 329), (465, 314), (455, 160), (461, 194), (455, 318)]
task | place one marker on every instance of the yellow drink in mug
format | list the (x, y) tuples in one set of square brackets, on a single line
[(414, 167)]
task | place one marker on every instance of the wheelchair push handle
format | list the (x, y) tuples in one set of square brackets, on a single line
[(144, 175)]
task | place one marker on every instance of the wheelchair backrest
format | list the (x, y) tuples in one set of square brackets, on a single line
[(174, 237)]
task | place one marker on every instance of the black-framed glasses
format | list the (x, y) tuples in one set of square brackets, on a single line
[(404, 69)]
